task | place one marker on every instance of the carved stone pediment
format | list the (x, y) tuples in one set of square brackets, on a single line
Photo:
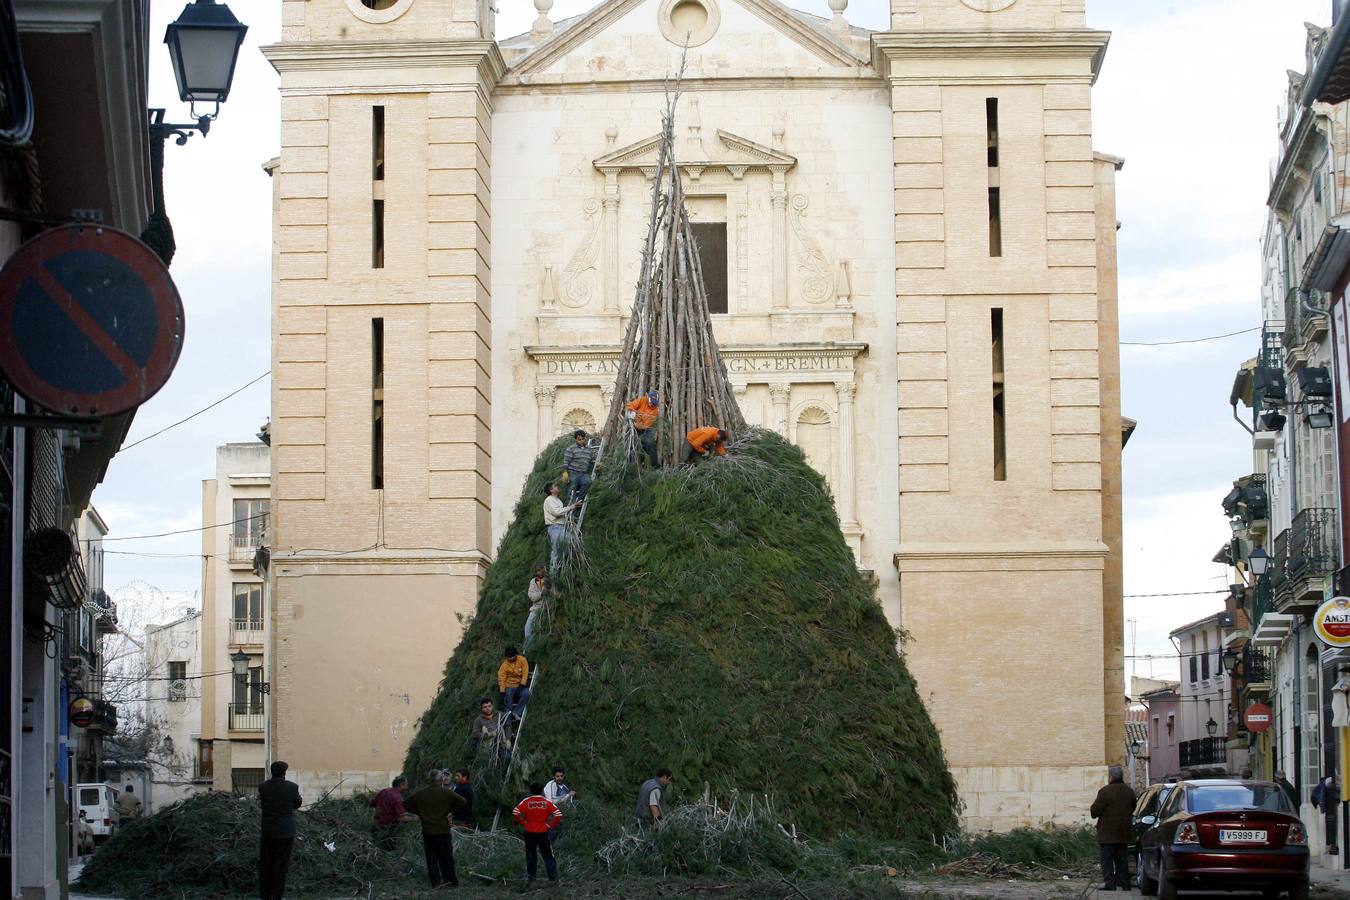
[(739, 156)]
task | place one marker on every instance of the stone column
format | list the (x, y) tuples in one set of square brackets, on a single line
[(848, 512), (611, 202), (780, 394), (606, 399), (544, 395), (778, 198)]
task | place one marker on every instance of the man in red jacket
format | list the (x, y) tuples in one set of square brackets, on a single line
[(537, 814)]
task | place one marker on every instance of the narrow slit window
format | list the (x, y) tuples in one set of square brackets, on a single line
[(377, 404), (1000, 435), (377, 234), (377, 187), (995, 198), (377, 143)]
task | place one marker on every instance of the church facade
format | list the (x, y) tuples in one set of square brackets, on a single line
[(909, 243)]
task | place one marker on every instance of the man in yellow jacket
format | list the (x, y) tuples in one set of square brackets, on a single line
[(513, 679)]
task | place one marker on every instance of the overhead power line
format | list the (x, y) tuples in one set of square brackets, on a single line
[(137, 537), (1213, 337), (194, 415), (1176, 594)]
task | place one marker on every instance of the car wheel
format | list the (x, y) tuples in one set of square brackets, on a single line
[(1299, 892), (1147, 886)]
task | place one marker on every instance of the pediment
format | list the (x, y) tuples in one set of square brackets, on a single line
[(602, 32), (736, 154)]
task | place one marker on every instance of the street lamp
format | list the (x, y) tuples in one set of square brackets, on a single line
[(1258, 561), (1212, 727), (1320, 418), (204, 45), (240, 660), (1231, 658)]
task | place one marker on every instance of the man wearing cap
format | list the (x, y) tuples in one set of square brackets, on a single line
[(643, 412)]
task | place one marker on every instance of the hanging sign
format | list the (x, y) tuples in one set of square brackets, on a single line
[(91, 324), (81, 712), (1332, 622), (1257, 718)]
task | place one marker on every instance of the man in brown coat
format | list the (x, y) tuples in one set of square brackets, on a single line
[(1114, 811)]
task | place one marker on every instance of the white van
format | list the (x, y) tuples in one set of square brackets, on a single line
[(98, 802)]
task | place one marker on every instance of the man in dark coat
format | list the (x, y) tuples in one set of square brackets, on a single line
[(280, 799), (1114, 811), (434, 805)]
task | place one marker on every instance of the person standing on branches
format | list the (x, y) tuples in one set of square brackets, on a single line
[(702, 442), (537, 590), (578, 460), (643, 412), (555, 522), (433, 805)]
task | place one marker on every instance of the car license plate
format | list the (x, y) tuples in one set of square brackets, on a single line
[(1241, 836)]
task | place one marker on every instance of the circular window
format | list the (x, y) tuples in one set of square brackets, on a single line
[(378, 12), (689, 21), (988, 5)]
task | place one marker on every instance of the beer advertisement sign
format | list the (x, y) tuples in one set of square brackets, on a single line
[(1332, 622)]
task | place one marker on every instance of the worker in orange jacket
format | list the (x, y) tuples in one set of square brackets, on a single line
[(703, 441), (643, 412)]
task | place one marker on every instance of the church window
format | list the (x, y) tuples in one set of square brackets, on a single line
[(377, 404), (577, 418), (1000, 438), (995, 199), (688, 22), (711, 241), (378, 4)]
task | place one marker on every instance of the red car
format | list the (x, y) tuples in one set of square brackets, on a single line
[(1225, 835)]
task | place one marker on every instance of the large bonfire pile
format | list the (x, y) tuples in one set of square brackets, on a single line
[(710, 620)]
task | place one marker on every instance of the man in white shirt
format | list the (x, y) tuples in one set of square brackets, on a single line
[(555, 521), (557, 793)]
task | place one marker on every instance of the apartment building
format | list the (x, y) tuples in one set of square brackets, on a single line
[(231, 751)]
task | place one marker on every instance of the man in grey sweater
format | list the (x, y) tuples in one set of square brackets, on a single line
[(578, 460)]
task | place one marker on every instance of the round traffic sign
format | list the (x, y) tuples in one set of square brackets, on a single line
[(90, 322), (1257, 718)]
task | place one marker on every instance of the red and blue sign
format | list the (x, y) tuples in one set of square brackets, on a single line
[(91, 323)]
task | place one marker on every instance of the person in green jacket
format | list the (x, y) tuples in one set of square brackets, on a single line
[(433, 805)]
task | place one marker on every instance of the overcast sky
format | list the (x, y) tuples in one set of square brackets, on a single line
[(1188, 97)]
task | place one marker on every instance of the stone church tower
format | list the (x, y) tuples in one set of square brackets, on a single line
[(911, 251)]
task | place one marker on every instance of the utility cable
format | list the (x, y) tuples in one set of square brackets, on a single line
[(1177, 594), (127, 447), (1214, 337), (138, 537)]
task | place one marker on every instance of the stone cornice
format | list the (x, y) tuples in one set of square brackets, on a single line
[(641, 155), (896, 46), (563, 84), (960, 557), (849, 349), (325, 56), (1291, 170)]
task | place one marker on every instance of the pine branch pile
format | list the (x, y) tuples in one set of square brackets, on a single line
[(716, 625), (669, 345)]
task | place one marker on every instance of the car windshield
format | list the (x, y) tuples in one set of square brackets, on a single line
[(1215, 798)]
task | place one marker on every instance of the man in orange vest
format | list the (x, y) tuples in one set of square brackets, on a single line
[(703, 441), (643, 413)]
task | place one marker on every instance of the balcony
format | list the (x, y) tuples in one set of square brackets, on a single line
[(1305, 556), (1206, 752), (243, 546), (246, 717), (1300, 325), (105, 717), (1257, 667), (246, 632)]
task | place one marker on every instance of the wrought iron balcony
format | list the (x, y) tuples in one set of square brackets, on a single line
[(1305, 554), (246, 717), (105, 717), (244, 545), (1209, 751), (1257, 668)]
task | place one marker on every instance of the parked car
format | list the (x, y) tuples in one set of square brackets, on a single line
[(1146, 810), (1224, 835), (98, 802)]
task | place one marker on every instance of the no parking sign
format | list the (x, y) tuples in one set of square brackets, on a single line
[(91, 324)]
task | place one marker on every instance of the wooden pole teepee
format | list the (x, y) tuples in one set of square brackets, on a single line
[(669, 345)]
